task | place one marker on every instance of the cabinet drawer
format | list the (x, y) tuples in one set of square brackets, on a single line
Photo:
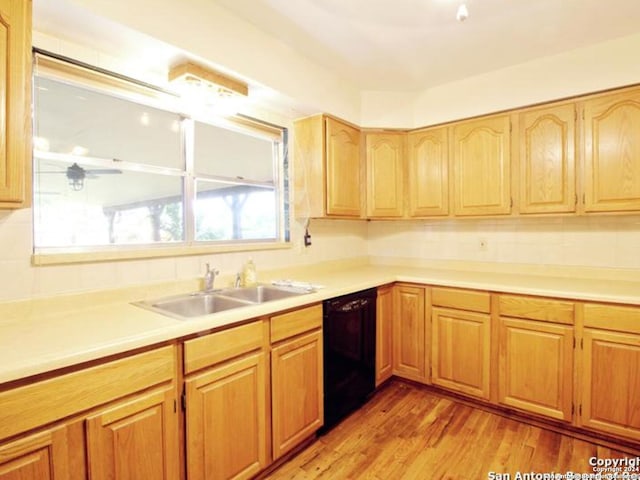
[(461, 299), (296, 322), (37, 404), (610, 317), (220, 346), (543, 309)]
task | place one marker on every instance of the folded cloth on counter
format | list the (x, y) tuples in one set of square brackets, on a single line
[(307, 286)]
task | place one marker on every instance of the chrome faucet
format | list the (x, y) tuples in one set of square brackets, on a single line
[(238, 280), (209, 278)]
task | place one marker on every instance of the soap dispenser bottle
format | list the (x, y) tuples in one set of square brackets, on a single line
[(249, 273)]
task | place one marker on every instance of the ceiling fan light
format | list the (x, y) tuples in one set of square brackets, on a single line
[(76, 184)]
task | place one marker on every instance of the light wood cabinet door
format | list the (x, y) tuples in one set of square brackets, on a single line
[(612, 152), (384, 335), (428, 172), (41, 456), (611, 383), (135, 438), (343, 169), (460, 351), (409, 354), (547, 160), (535, 371), (385, 173), (296, 391), (481, 166), (15, 88), (226, 418)]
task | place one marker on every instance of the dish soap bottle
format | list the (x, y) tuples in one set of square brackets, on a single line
[(249, 273)]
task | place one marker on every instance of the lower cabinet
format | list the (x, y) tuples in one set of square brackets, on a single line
[(122, 423), (460, 351), (610, 379), (226, 420), (460, 340), (535, 369), (409, 332), (135, 438), (297, 391), (384, 334), (226, 392), (536, 361)]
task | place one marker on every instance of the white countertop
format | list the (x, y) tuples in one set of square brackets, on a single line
[(42, 335)]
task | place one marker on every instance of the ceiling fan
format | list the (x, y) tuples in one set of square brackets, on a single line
[(76, 174)]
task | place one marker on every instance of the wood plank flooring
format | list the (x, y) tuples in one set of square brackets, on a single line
[(407, 432)]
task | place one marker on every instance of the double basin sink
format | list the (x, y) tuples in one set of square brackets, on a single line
[(204, 303)]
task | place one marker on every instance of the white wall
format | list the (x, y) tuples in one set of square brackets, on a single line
[(598, 67)]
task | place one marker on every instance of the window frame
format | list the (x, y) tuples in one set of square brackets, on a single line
[(67, 70)]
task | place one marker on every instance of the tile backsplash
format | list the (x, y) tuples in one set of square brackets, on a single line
[(597, 241), (332, 240)]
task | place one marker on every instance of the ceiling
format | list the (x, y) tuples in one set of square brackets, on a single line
[(399, 45), (408, 45)]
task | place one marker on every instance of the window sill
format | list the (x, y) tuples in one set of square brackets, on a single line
[(90, 255)]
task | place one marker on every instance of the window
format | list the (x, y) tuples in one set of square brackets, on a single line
[(118, 165)]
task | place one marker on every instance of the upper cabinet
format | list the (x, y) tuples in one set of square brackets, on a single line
[(15, 87), (428, 169), (481, 166), (385, 174), (327, 168), (547, 160), (571, 157), (612, 152)]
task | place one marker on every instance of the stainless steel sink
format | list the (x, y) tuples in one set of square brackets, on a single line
[(193, 305), (262, 293), (200, 303)]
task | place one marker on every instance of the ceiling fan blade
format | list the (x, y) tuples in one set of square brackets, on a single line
[(102, 171)]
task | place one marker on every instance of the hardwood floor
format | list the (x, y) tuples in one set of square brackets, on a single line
[(407, 432)]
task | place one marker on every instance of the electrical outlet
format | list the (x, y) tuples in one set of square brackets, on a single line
[(483, 244)]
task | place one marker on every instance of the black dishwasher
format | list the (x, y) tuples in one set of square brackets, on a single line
[(349, 336)]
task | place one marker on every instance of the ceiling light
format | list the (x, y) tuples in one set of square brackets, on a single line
[(203, 86), (463, 13)]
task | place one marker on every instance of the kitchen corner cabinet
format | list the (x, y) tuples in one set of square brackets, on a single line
[(610, 378), (409, 332), (328, 170), (15, 90), (481, 166), (547, 160), (297, 409), (612, 152), (226, 403), (385, 174), (461, 341), (428, 169), (124, 421), (384, 334), (535, 367)]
